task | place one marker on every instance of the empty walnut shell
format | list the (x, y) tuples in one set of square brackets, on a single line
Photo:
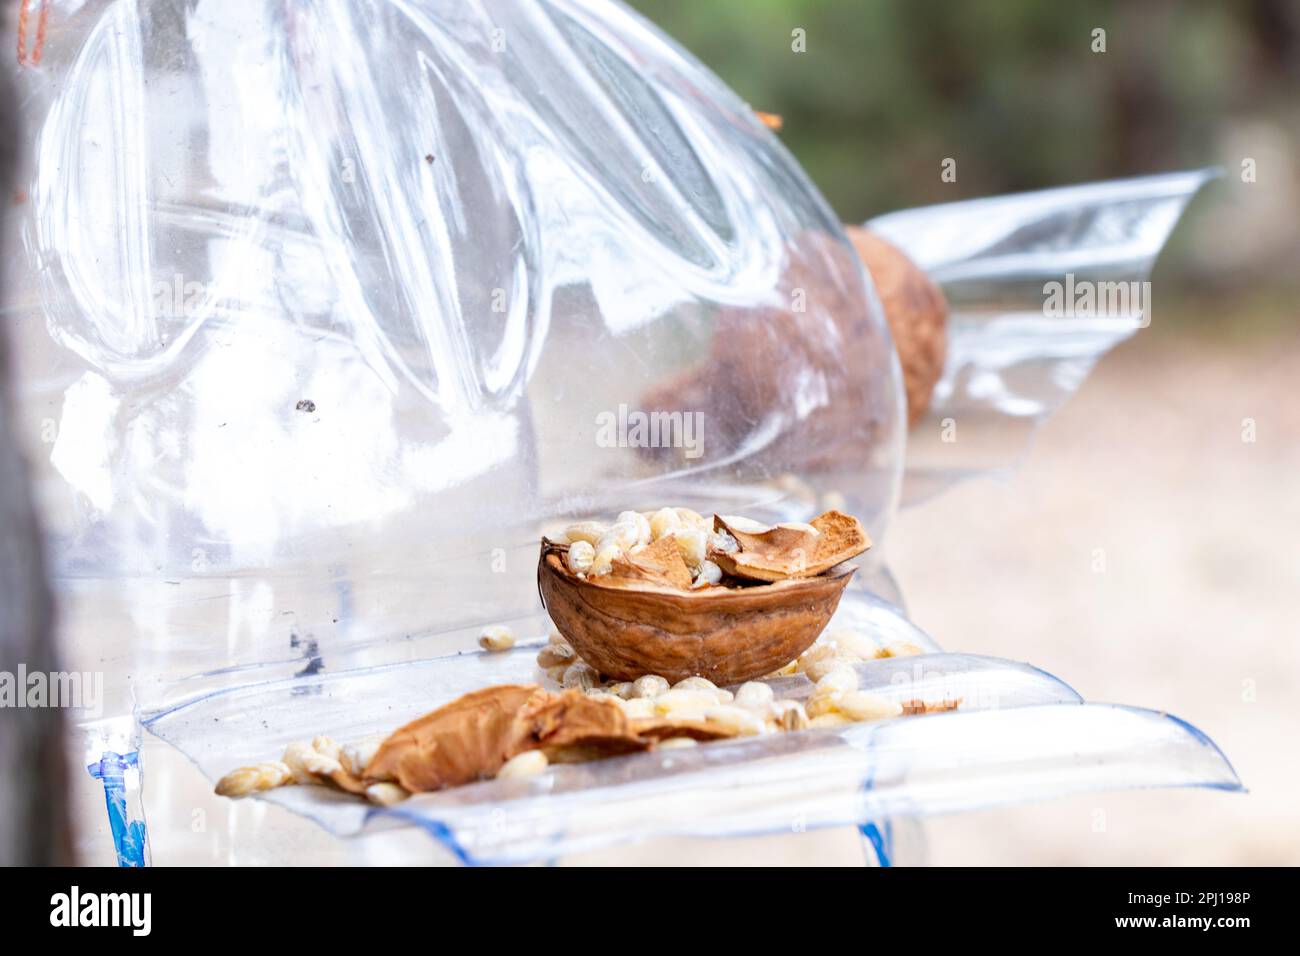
[(727, 634)]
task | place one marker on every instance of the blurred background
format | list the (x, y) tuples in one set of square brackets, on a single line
[(1178, 458), (1014, 91)]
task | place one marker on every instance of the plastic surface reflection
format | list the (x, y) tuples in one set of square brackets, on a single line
[(331, 307)]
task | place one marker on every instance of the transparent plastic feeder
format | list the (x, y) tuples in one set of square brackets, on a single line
[(324, 312)]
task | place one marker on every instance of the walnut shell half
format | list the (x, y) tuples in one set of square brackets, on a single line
[(727, 634)]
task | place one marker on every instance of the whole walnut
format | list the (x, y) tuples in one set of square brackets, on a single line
[(805, 367), (795, 371), (917, 313)]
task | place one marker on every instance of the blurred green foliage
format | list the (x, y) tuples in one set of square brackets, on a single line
[(1011, 89)]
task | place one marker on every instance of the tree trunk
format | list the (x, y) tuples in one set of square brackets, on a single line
[(33, 798)]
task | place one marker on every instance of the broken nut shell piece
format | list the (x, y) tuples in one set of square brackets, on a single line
[(468, 739), (789, 550)]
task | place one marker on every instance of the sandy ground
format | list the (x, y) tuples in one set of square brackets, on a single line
[(1197, 612)]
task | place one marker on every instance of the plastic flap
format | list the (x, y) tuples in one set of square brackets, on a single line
[(1019, 733), (1041, 285)]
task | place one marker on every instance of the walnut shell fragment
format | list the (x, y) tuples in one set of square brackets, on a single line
[(657, 729), (465, 740), (659, 563), (573, 726), (727, 634), (473, 737), (792, 551)]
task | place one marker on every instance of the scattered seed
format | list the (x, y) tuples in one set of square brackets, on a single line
[(842, 678), (639, 708), (829, 720), (679, 701), (710, 574), (588, 532), (262, 776), (527, 764), (665, 521), (553, 655), (556, 673), (355, 756), (307, 765), (581, 557), (696, 683), (385, 794), (822, 703), (743, 722), (496, 638), (651, 685), (581, 675), (864, 705), (790, 715), (754, 694), (900, 649), (622, 689)]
